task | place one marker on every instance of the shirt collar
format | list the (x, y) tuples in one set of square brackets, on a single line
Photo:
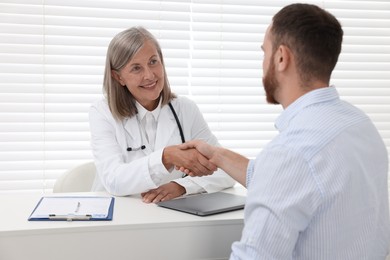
[(313, 97), (143, 111)]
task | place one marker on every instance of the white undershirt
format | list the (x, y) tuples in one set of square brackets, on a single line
[(148, 122)]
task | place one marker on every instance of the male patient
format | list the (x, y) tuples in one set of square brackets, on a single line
[(319, 189)]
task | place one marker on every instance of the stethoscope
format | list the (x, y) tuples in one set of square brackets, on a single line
[(142, 147)]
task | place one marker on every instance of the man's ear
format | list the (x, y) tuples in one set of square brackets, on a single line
[(282, 58), (116, 76)]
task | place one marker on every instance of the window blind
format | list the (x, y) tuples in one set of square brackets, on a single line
[(52, 56)]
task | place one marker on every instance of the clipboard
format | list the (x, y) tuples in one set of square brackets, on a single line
[(75, 208)]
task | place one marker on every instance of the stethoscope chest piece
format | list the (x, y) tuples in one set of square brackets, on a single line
[(129, 149), (142, 147)]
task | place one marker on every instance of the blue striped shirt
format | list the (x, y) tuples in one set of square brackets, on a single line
[(319, 189)]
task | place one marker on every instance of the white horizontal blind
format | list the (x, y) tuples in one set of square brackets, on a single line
[(226, 71), (51, 70), (52, 57)]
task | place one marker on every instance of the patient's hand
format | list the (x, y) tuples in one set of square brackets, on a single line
[(208, 151), (188, 158), (165, 192)]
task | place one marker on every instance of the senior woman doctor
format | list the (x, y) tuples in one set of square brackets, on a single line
[(137, 127)]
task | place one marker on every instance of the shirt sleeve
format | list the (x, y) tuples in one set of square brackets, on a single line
[(249, 172), (156, 166), (281, 200), (190, 186)]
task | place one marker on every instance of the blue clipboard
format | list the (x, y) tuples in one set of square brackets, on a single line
[(74, 208)]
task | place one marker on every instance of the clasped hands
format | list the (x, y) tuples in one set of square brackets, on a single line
[(198, 158), (192, 158)]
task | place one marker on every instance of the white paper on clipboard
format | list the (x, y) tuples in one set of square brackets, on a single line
[(96, 207)]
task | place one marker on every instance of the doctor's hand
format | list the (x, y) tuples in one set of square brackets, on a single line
[(188, 158), (209, 151), (165, 192)]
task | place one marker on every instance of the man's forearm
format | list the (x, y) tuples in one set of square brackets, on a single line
[(232, 163)]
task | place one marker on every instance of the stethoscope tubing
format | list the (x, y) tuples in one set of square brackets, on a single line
[(129, 149), (177, 122)]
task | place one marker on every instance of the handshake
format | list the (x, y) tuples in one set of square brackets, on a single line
[(194, 158), (197, 158)]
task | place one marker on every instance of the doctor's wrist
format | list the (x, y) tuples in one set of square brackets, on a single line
[(167, 158)]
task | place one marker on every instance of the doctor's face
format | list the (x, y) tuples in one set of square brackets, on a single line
[(143, 76)]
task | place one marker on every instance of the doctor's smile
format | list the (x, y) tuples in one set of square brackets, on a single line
[(149, 86)]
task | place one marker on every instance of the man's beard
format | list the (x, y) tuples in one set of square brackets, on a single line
[(270, 83)]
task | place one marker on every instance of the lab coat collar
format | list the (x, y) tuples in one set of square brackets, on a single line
[(142, 111), (165, 127)]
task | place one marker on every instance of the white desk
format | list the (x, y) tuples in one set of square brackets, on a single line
[(138, 231)]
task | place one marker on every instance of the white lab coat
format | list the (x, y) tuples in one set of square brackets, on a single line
[(122, 173)]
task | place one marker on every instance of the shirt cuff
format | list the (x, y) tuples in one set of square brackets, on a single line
[(156, 166), (249, 172), (190, 186)]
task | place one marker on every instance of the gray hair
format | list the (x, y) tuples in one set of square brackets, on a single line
[(121, 49)]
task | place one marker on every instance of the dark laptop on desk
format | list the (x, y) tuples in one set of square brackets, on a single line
[(206, 203)]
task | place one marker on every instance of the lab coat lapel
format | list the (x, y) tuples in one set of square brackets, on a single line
[(133, 131), (165, 127)]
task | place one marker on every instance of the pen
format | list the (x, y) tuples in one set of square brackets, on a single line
[(77, 207)]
